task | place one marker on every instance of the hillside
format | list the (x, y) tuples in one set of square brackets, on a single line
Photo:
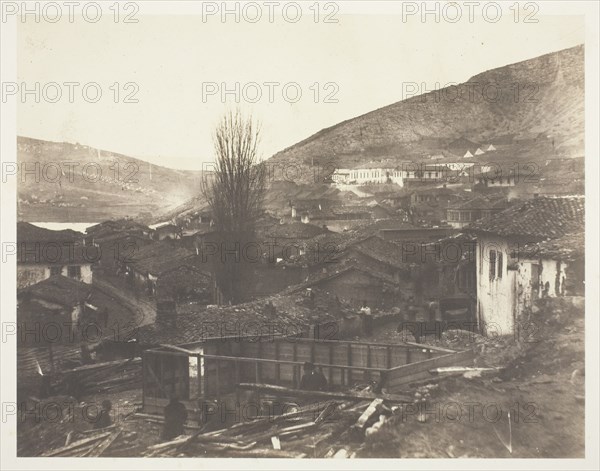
[(94, 184), (543, 119)]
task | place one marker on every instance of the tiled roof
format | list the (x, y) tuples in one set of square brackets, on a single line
[(292, 316), (318, 278), (539, 218), (569, 247), (116, 225), (58, 289), (381, 250), (159, 257), (376, 165), (481, 202), (294, 230)]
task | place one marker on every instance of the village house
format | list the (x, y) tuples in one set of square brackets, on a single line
[(167, 231), (376, 172), (117, 241), (508, 277), (357, 285), (158, 260), (346, 217), (408, 233), (461, 214), (424, 173), (491, 179), (186, 283), (95, 233), (42, 253), (564, 256), (444, 272), (279, 242), (341, 176), (66, 311), (435, 196), (57, 300), (428, 205), (292, 316)]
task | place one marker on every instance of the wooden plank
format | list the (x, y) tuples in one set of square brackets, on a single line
[(143, 380), (278, 366), (438, 349), (200, 377), (259, 355), (366, 373), (218, 378), (388, 351), (178, 349), (418, 371), (358, 396), (368, 413), (105, 444), (330, 348), (77, 444), (288, 362), (295, 379), (349, 372)]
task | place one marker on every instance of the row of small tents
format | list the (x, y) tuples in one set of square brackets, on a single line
[(479, 151)]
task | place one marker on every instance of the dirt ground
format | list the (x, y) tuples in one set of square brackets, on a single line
[(530, 405), (541, 384)]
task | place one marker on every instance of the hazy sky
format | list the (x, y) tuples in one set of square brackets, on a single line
[(169, 58)]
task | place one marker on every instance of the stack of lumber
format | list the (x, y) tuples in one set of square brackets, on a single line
[(94, 443), (316, 430)]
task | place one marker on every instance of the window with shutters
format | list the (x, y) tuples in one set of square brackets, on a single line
[(500, 264), (492, 264)]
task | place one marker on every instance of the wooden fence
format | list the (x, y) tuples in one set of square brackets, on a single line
[(211, 370)]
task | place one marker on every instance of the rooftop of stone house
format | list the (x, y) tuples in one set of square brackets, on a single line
[(293, 230), (159, 257), (569, 247), (189, 325), (481, 202), (318, 278), (538, 218), (115, 225), (58, 289)]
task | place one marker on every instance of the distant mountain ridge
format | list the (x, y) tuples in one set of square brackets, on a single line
[(536, 105), (93, 184)]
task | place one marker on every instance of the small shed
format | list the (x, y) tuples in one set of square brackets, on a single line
[(215, 368)]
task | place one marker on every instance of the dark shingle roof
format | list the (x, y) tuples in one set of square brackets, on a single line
[(58, 289), (292, 316), (159, 257), (481, 202), (539, 218), (294, 230), (569, 247)]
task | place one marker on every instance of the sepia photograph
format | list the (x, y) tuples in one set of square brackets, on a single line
[(250, 235)]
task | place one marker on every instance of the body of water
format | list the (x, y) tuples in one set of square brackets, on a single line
[(59, 226)]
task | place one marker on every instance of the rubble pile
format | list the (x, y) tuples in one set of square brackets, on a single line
[(335, 429)]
